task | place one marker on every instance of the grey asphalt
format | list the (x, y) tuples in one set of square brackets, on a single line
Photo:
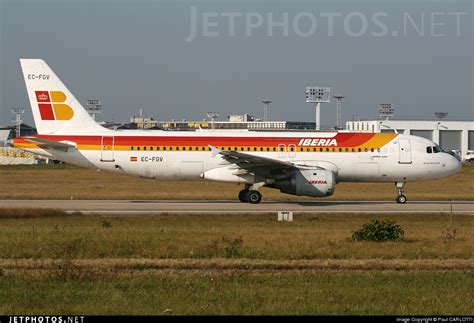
[(234, 207)]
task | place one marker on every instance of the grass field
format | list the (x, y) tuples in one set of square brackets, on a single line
[(232, 264), (237, 292), (51, 262), (67, 181), (230, 236)]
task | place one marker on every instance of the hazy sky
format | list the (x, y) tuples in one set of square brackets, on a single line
[(179, 59)]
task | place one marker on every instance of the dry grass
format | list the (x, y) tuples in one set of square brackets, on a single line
[(234, 264), (231, 236), (26, 213), (66, 181), (128, 266)]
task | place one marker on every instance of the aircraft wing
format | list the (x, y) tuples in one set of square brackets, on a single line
[(248, 163), (52, 144)]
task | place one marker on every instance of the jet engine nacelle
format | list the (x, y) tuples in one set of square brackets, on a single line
[(308, 182)]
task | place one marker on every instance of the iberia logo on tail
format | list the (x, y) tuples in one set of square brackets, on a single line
[(51, 105)]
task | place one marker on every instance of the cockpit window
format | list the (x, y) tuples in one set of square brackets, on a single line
[(429, 150), (437, 149)]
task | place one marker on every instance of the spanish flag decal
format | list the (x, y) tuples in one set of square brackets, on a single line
[(133, 159)]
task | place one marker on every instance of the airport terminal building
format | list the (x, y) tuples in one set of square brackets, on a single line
[(455, 135)]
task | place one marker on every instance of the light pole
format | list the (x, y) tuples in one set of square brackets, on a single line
[(212, 115), (318, 95), (265, 109), (18, 112), (93, 107), (338, 98)]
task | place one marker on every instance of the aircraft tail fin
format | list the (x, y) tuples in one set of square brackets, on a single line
[(55, 109)]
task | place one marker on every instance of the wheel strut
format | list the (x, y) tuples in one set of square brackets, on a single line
[(401, 198)]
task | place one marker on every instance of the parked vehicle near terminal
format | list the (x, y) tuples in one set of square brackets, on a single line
[(470, 156)]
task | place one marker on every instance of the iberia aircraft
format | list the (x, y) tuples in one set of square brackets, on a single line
[(297, 163)]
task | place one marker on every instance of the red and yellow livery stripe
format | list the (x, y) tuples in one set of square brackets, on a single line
[(341, 140)]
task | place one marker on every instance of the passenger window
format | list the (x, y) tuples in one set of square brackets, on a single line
[(429, 150), (144, 147), (151, 148), (164, 148), (131, 147)]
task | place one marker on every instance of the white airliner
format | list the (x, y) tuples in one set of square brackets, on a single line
[(297, 163)]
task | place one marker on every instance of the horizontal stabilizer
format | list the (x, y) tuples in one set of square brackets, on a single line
[(52, 144)]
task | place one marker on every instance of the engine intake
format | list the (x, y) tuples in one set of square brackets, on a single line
[(308, 182)]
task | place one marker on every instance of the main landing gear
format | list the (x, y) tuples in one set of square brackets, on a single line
[(401, 199), (250, 196)]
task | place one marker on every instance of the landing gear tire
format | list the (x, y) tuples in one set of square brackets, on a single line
[(254, 197), (243, 196), (401, 199)]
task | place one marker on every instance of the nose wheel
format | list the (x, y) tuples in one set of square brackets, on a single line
[(250, 196), (401, 199)]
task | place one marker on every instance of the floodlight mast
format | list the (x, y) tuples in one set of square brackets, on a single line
[(212, 115), (265, 109), (18, 112), (318, 95), (93, 107), (338, 98), (386, 110)]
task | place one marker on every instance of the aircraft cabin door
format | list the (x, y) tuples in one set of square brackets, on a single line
[(107, 149), (405, 151)]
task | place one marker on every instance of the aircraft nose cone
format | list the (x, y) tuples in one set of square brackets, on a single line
[(454, 165)]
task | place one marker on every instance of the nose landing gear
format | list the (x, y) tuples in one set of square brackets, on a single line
[(401, 199)]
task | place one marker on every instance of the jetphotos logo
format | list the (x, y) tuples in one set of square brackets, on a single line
[(51, 105)]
